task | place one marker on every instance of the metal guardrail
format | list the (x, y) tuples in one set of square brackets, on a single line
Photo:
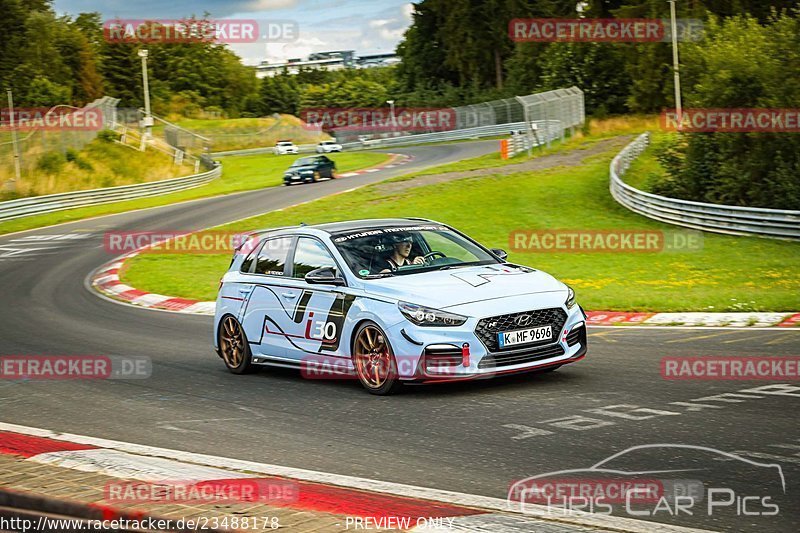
[(729, 219), (551, 132), (36, 205)]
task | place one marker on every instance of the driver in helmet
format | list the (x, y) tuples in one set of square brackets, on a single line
[(402, 243)]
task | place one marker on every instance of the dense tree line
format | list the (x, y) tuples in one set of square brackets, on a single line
[(459, 51), (741, 64), (49, 60)]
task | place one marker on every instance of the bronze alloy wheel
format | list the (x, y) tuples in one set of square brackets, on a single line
[(233, 346), (317, 176), (374, 360)]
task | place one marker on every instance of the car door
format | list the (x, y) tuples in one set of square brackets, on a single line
[(325, 166), (268, 311), (321, 308)]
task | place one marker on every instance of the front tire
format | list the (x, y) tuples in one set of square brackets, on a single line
[(374, 362), (233, 346)]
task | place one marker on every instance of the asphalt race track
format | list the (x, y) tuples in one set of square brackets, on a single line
[(474, 437)]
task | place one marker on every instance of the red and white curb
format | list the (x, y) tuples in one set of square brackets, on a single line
[(317, 491), (396, 161), (106, 281)]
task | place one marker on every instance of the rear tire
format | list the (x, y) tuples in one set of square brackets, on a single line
[(233, 346), (374, 362)]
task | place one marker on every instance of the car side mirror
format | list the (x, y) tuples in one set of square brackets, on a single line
[(324, 276), (499, 252)]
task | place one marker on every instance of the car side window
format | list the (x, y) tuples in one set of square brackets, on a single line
[(248, 262), (311, 255), (272, 256)]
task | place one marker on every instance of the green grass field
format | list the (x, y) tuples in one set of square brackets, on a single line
[(240, 173), (239, 133), (727, 274)]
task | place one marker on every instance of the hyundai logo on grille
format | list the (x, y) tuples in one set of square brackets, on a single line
[(524, 320)]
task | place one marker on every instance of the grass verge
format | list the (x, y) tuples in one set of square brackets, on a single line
[(240, 173), (727, 274), (101, 163)]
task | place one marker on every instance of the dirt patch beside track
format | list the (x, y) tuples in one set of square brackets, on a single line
[(574, 157)]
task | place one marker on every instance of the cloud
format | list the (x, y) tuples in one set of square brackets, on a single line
[(177, 8), (367, 26)]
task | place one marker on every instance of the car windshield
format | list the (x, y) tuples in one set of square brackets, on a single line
[(303, 161), (379, 252)]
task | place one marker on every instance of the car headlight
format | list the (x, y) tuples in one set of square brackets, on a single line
[(425, 316), (570, 297)]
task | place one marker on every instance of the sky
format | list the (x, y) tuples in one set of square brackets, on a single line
[(366, 26)]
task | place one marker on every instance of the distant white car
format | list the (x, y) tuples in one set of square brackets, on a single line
[(326, 147), (285, 147)]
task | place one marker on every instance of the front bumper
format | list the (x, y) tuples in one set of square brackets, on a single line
[(429, 354), (297, 178)]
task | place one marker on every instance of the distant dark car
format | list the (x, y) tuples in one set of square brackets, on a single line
[(310, 169)]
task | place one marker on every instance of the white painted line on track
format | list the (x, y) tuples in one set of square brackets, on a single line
[(120, 464)]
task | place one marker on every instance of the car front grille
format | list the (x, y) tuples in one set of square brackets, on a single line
[(488, 328), (518, 357)]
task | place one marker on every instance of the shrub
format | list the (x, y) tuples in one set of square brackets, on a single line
[(108, 136), (51, 162), (73, 156)]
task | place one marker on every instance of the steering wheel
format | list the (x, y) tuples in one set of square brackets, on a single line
[(430, 256)]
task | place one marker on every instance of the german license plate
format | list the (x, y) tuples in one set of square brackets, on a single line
[(524, 336)]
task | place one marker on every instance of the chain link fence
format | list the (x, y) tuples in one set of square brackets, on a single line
[(34, 143), (561, 110)]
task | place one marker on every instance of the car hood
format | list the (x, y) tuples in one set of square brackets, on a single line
[(443, 289)]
